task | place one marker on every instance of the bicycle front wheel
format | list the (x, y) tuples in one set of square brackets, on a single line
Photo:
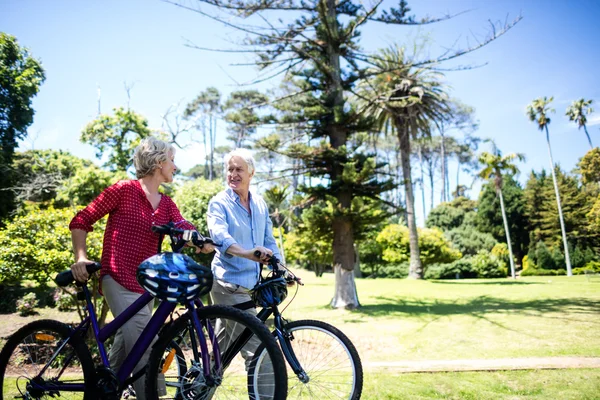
[(177, 356), (328, 358), (44, 359)]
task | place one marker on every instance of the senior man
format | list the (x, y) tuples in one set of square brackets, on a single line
[(239, 220)]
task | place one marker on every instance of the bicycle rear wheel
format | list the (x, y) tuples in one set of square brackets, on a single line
[(44, 359), (329, 359), (177, 356)]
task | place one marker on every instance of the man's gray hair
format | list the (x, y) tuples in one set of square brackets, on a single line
[(149, 154), (245, 154)]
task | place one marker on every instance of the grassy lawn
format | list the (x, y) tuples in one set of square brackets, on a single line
[(506, 385), (465, 319)]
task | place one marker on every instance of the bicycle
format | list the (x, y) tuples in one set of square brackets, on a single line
[(48, 358), (322, 360)]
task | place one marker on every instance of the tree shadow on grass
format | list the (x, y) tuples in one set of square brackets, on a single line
[(479, 306), (474, 282)]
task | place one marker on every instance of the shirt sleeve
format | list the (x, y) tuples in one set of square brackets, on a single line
[(176, 218), (218, 227), (106, 202)]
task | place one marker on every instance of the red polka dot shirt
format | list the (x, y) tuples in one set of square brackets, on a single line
[(128, 239)]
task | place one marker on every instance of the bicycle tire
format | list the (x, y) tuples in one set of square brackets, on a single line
[(29, 350), (329, 359), (233, 377)]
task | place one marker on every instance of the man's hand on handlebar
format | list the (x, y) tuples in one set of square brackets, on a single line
[(261, 254)]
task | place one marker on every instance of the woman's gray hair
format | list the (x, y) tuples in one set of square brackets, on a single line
[(149, 154), (245, 154)]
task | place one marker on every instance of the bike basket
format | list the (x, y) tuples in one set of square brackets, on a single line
[(270, 292), (174, 277)]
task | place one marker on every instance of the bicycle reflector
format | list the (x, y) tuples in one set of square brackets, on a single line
[(174, 277), (270, 292)]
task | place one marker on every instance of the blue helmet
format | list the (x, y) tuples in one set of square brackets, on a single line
[(270, 292), (174, 277)]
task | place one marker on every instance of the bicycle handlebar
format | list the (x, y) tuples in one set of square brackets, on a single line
[(66, 277), (186, 236), (280, 269)]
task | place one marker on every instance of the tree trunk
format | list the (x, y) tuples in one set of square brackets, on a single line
[(443, 149), (431, 172), (343, 236), (206, 173), (507, 231), (281, 244), (588, 137), (357, 271), (211, 132), (345, 295), (457, 177), (422, 185), (560, 215), (416, 268)]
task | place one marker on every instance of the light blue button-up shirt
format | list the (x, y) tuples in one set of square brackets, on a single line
[(230, 223)]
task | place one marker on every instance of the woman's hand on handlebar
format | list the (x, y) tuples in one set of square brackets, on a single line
[(79, 270)]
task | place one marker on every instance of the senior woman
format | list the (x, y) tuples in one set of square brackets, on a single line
[(133, 206)]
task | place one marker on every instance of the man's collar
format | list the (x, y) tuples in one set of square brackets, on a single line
[(236, 197)]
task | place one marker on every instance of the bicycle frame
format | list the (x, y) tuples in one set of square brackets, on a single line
[(141, 345)]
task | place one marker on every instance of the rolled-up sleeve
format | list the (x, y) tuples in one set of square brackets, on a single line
[(107, 201), (219, 228)]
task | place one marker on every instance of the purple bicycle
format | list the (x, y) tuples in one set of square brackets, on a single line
[(191, 359)]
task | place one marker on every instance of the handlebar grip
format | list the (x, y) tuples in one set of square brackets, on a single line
[(66, 277), (166, 229)]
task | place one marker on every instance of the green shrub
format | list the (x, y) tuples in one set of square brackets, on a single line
[(433, 245), (459, 269), (579, 257), (543, 257), (393, 271), (500, 250), (469, 240), (488, 265), (64, 300), (26, 304), (528, 263), (543, 272), (37, 245), (592, 266)]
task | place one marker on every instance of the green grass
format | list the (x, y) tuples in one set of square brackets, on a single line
[(465, 319), (505, 385)]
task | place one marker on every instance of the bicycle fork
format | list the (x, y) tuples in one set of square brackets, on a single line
[(285, 339)]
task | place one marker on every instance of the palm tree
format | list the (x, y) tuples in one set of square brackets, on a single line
[(538, 112), (577, 111), (495, 166), (407, 99)]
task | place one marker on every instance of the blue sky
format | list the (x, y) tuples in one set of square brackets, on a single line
[(553, 51)]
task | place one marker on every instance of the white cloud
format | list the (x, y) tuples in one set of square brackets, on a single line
[(593, 120)]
